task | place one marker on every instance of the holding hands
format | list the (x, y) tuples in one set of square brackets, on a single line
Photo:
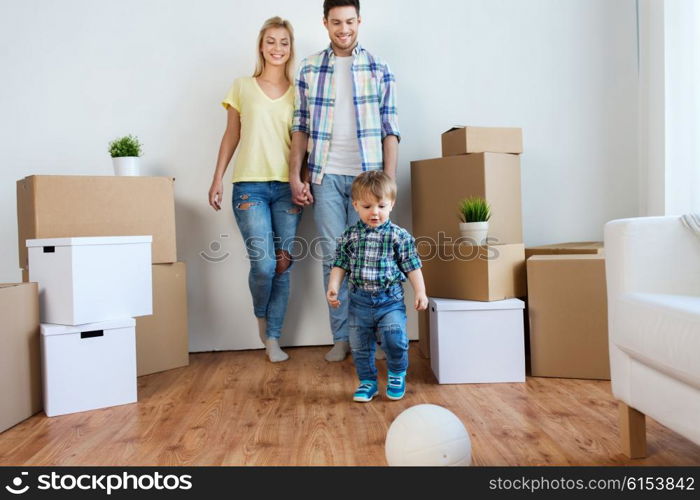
[(301, 192)]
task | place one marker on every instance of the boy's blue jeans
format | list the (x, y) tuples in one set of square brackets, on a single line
[(381, 314), (268, 222)]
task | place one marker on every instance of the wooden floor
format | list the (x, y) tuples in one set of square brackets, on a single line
[(235, 408)]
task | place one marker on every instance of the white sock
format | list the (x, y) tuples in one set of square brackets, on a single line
[(272, 347), (262, 329), (340, 349)]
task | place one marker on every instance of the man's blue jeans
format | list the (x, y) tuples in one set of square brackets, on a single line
[(333, 212), (268, 222), (380, 314)]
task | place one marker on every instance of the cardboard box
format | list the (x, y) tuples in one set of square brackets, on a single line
[(567, 305), (477, 342), (438, 186), (20, 355), (60, 206), (90, 366), (162, 341), (424, 333), (462, 140), (461, 271), (580, 247), (92, 279)]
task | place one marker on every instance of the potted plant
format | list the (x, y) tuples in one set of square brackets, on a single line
[(474, 214), (125, 152)]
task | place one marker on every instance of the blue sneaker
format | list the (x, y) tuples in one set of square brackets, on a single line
[(366, 391), (396, 385)]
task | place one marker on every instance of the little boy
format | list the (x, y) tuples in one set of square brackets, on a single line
[(378, 255)]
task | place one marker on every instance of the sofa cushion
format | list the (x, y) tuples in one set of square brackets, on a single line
[(662, 331)]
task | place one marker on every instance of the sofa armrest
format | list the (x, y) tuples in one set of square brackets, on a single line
[(645, 255), (651, 255)]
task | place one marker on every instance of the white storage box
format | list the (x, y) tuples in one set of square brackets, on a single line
[(92, 279), (477, 342), (88, 366)]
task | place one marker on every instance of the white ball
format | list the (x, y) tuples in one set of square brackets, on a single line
[(428, 435)]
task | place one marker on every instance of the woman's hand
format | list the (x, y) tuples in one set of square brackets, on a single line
[(216, 193), (301, 193)]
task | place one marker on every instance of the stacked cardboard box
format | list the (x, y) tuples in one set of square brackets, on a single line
[(55, 206), (20, 359), (567, 305), (90, 290), (476, 161)]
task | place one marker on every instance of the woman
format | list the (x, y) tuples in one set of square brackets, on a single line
[(259, 121)]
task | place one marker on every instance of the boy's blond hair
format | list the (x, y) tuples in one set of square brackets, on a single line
[(375, 183)]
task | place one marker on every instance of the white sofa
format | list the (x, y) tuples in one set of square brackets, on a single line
[(653, 280)]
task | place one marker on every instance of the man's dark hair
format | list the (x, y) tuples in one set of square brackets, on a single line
[(330, 4)]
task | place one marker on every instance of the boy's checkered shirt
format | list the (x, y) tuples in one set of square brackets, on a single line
[(375, 107), (376, 258)]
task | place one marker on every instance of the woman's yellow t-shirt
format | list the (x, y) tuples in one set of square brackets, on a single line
[(265, 138)]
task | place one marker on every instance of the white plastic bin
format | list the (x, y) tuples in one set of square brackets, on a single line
[(92, 279), (89, 366), (477, 342)]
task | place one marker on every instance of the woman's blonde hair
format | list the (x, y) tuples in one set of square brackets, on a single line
[(276, 22)]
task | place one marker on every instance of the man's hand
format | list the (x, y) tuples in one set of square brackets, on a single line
[(301, 193)]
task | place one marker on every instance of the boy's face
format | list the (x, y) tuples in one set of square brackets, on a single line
[(342, 24), (372, 211)]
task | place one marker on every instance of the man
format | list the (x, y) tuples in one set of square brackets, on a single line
[(345, 118)]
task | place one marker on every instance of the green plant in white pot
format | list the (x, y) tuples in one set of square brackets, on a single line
[(474, 214), (125, 152)]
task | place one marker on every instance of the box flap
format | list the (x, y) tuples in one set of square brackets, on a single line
[(8, 285), (15, 285), (89, 240), (473, 305), (52, 329), (568, 247), (573, 256), (456, 127)]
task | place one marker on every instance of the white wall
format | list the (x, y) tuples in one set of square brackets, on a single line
[(78, 73), (652, 118)]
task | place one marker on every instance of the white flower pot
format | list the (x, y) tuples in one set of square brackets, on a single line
[(474, 233), (126, 165)]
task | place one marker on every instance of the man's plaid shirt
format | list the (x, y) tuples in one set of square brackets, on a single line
[(375, 105), (376, 258)]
